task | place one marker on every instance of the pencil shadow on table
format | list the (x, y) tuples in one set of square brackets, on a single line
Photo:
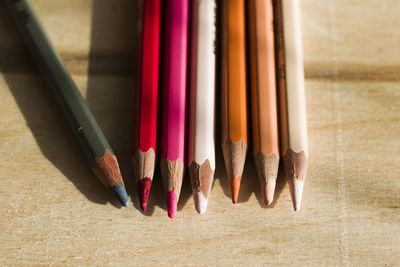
[(43, 117), (113, 80), (220, 173)]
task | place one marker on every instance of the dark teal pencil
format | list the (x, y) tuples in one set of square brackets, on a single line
[(74, 108)]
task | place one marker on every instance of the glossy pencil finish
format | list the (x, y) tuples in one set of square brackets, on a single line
[(292, 97), (172, 149), (234, 114), (144, 153), (91, 139), (263, 94), (201, 151)]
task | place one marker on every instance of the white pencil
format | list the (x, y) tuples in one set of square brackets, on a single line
[(294, 123), (201, 153)]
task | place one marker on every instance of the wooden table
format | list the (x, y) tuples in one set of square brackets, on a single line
[(54, 211)]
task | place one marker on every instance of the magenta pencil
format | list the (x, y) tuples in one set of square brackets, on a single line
[(144, 152), (173, 121)]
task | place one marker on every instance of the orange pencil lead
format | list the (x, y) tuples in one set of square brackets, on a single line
[(235, 187)]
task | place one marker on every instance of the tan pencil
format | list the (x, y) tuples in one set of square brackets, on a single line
[(263, 94), (233, 106), (294, 143)]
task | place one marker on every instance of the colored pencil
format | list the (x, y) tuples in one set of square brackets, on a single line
[(173, 121), (263, 95), (201, 145), (233, 107), (91, 139), (144, 153), (294, 143)]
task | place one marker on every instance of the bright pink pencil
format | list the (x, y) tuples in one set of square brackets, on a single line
[(144, 153), (172, 149)]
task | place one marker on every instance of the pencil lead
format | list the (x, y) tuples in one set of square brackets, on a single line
[(235, 187), (296, 192), (120, 192), (144, 186), (172, 204), (200, 202), (269, 191)]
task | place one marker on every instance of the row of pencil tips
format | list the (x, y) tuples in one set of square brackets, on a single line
[(186, 81), (178, 73)]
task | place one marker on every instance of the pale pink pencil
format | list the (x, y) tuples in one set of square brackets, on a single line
[(173, 128), (201, 145)]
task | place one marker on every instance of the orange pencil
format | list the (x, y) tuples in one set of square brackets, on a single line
[(263, 94), (234, 115)]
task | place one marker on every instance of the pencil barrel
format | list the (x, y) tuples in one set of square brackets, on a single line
[(66, 93), (149, 83), (263, 77), (295, 90), (237, 97), (234, 96), (202, 83), (174, 87)]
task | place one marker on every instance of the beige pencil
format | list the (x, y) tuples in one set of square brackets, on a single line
[(294, 143)]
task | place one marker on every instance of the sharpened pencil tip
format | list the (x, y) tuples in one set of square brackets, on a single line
[(144, 186), (127, 203), (200, 202), (172, 204), (235, 187), (296, 192), (120, 192), (269, 191)]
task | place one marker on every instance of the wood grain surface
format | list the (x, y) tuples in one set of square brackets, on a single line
[(52, 210)]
